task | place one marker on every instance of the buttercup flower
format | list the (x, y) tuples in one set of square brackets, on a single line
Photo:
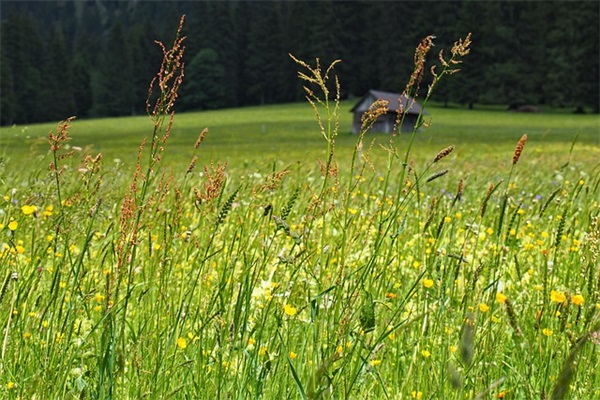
[(28, 210), (501, 298), (577, 300), (289, 310), (181, 343), (557, 297)]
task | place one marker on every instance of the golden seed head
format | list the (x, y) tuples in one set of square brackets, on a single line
[(519, 149), (443, 153)]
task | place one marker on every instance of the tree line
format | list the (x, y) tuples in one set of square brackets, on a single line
[(94, 59)]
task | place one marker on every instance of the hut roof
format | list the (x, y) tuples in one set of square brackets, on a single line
[(409, 105)]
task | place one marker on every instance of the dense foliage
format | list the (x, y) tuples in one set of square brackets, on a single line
[(97, 58)]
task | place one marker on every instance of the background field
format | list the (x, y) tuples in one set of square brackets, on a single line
[(289, 133)]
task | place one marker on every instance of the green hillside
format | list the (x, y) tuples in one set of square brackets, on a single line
[(289, 132)]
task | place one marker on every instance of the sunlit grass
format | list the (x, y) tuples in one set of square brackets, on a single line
[(288, 132)]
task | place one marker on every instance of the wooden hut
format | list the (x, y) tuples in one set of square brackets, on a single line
[(385, 123)]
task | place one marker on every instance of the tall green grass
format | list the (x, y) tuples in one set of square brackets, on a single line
[(400, 268)]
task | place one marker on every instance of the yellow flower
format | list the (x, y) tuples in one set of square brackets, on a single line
[(28, 210), (416, 394), (558, 297), (425, 353), (427, 283), (181, 343), (577, 300), (289, 310), (48, 210), (10, 385), (262, 351), (99, 298), (374, 363), (547, 332), (501, 298), (293, 355), (484, 307), (13, 225)]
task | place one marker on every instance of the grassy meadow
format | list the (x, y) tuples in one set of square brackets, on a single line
[(269, 259), (287, 133)]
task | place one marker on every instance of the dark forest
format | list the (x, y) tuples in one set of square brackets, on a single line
[(96, 58)]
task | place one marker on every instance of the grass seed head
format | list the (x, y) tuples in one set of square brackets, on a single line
[(443, 153), (486, 199), (519, 149), (512, 317), (459, 190), (376, 110), (200, 138), (437, 175), (419, 59), (192, 164)]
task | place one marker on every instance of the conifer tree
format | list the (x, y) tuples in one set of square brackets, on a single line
[(113, 94)]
